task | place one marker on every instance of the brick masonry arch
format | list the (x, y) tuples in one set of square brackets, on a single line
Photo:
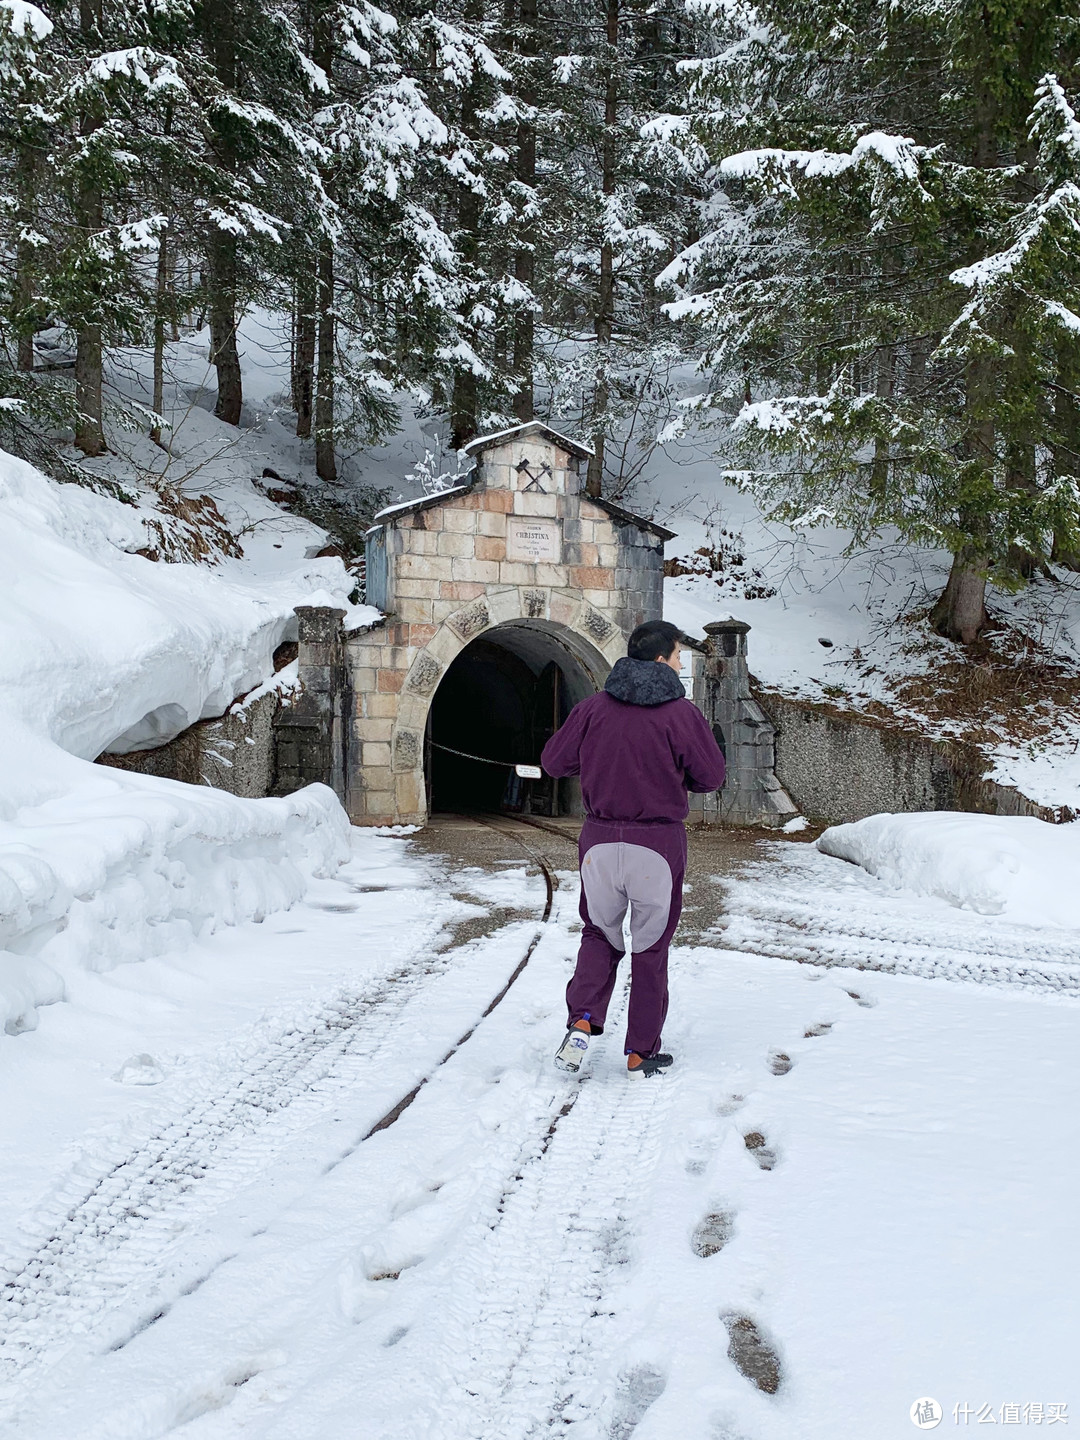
[(519, 542), (565, 615)]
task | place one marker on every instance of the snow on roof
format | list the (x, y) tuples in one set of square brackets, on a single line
[(575, 447), (389, 511)]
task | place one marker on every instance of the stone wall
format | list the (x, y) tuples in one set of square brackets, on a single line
[(313, 734), (837, 768), (234, 753)]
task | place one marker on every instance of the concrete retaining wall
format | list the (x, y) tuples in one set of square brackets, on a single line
[(837, 768), (234, 753)]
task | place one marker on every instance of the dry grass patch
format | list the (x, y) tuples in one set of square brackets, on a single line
[(1006, 687)]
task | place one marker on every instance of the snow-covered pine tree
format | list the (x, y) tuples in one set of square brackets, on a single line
[(264, 160), (617, 207), (23, 87), (886, 287)]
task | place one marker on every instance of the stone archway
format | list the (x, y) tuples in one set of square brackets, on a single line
[(567, 621)]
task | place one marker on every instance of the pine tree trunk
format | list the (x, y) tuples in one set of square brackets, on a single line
[(960, 613), (304, 366), (524, 255), (322, 52), (604, 320), (463, 405), (89, 430), (464, 398), (24, 257), (1066, 455), (220, 19), (89, 427), (325, 457), (224, 353), (160, 306), (161, 288)]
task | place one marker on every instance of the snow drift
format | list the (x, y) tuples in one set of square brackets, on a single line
[(95, 639), (142, 866), (1015, 866), (100, 866)]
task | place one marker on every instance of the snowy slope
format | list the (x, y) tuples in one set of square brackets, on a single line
[(849, 627), (1011, 865), (102, 648)]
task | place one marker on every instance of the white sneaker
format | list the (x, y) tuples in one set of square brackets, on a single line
[(572, 1051)]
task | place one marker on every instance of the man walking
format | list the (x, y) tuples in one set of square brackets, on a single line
[(638, 746)]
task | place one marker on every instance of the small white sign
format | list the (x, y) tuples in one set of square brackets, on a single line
[(529, 772), (532, 540)]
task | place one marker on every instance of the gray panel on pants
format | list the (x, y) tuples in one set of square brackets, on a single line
[(619, 875)]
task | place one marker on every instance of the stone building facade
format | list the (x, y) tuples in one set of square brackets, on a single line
[(504, 602), (549, 579)]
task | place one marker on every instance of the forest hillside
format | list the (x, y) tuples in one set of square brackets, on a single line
[(807, 281)]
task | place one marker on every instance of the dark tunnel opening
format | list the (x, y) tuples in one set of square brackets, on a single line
[(500, 700)]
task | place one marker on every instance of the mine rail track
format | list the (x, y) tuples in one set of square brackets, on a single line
[(552, 884)]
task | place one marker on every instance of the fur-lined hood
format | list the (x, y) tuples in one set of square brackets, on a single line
[(643, 682)]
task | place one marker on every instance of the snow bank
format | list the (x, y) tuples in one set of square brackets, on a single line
[(134, 866), (101, 648), (1014, 866), (97, 641)]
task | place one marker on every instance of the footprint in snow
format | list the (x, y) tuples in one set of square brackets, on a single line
[(866, 1001), (761, 1152), (638, 1390), (730, 1104), (713, 1233), (821, 1028), (751, 1354), (779, 1063), (725, 1427)]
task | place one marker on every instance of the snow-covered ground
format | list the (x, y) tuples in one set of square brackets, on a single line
[(862, 1169), (874, 1170)]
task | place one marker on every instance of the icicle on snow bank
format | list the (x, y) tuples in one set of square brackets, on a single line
[(94, 883), (1020, 868)]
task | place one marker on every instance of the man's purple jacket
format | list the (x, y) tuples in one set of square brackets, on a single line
[(639, 746)]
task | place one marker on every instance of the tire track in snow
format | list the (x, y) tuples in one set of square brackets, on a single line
[(523, 1321), (792, 911), (109, 1236)]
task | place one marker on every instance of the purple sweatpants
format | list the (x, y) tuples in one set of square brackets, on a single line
[(640, 868)]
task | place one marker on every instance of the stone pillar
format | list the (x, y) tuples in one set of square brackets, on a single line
[(752, 795), (313, 732)]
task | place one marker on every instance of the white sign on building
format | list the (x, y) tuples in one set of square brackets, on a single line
[(532, 540)]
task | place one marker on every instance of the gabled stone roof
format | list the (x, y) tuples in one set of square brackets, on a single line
[(407, 507), (627, 517), (530, 427), (388, 515)]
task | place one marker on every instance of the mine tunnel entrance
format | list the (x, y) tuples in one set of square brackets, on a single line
[(501, 700)]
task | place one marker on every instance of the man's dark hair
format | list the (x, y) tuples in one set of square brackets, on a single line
[(653, 639)]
